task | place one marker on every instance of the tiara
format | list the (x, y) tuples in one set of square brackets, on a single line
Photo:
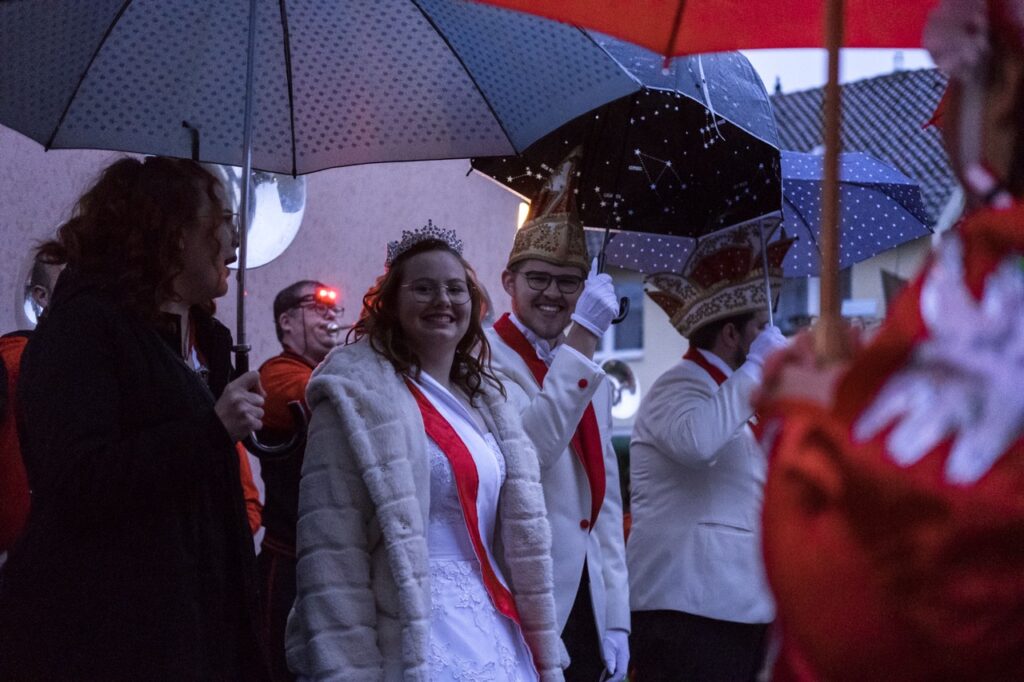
[(429, 232)]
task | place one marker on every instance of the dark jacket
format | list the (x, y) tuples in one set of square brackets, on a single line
[(137, 562)]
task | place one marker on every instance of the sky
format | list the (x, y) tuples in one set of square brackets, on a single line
[(804, 69)]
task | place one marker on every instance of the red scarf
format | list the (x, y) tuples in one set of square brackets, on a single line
[(694, 355), (586, 441), (467, 484)]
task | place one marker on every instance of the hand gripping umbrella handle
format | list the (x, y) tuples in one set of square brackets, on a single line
[(623, 301), (273, 451)]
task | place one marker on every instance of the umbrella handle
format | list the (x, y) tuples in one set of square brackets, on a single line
[(278, 451), (623, 310), (273, 451)]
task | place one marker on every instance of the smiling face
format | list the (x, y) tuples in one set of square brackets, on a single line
[(546, 313), (208, 246), (432, 326)]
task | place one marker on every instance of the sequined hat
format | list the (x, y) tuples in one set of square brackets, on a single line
[(427, 233), (552, 232), (724, 277)]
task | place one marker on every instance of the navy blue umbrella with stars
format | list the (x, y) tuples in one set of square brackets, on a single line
[(880, 208), (693, 152)]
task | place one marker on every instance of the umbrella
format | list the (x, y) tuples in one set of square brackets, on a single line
[(692, 152), (880, 209), (675, 27), (296, 86)]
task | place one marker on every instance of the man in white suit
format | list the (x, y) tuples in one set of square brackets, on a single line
[(701, 606), (566, 410)]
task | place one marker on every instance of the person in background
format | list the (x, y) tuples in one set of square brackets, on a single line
[(137, 560), (14, 491), (894, 508), (306, 317), (424, 552), (701, 606), (565, 405)]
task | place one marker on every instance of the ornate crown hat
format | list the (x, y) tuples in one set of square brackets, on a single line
[(552, 231), (724, 277), (428, 233)]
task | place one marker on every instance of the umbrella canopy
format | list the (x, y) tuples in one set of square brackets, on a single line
[(693, 152), (880, 208), (675, 27), (335, 83)]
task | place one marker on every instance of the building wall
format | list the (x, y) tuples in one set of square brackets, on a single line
[(350, 215)]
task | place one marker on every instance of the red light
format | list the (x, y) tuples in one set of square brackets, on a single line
[(326, 295)]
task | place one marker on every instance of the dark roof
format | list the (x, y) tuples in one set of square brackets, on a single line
[(882, 116)]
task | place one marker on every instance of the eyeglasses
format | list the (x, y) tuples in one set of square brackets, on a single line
[(427, 291), (540, 281)]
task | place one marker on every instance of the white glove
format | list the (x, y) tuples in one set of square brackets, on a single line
[(616, 654), (767, 342), (598, 305)]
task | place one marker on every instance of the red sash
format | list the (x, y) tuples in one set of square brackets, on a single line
[(694, 355), (467, 483), (586, 441)]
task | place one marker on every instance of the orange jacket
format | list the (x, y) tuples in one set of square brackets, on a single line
[(14, 491)]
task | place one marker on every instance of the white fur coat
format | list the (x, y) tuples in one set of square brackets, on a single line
[(362, 610)]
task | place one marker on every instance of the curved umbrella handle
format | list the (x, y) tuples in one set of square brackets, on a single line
[(623, 310), (279, 451)]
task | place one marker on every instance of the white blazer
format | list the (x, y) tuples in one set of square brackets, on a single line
[(550, 417), (697, 480)]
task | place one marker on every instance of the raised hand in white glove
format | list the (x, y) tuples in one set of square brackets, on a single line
[(616, 654), (767, 342), (597, 305)]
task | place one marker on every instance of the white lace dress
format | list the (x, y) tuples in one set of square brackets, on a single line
[(470, 640)]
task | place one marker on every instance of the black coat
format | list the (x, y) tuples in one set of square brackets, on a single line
[(137, 561)]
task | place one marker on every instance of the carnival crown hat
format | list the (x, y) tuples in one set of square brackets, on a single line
[(428, 233), (553, 232), (724, 277)]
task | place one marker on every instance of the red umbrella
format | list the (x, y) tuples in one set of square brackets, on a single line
[(677, 27)]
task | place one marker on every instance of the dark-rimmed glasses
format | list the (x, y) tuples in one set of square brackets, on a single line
[(540, 281), (427, 291), (312, 302)]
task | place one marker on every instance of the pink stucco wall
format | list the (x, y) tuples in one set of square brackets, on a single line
[(351, 213)]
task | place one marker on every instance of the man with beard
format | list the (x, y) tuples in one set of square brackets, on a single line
[(305, 319), (700, 603), (566, 410)]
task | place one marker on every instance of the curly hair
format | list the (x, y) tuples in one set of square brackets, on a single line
[(379, 322), (126, 230)]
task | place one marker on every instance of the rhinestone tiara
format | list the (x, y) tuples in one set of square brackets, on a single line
[(429, 232)]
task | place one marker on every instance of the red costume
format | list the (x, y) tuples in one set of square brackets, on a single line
[(14, 493), (894, 522)]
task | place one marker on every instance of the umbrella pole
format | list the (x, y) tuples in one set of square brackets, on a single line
[(829, 338), (241, 347), (764, 267)]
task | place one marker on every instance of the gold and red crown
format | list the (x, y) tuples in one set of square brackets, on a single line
[(724, 277), (553, 232)]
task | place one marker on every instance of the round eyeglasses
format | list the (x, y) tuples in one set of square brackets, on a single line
[(427, 291), (540, 281)]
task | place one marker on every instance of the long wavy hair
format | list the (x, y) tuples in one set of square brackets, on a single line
[(378, 322), (126, 230)]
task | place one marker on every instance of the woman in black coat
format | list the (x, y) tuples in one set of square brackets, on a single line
[(137, 561)]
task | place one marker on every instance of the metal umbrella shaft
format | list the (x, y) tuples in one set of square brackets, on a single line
[(767, 279), (241, 347)]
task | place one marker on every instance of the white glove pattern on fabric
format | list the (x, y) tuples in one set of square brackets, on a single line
[(597, 305), (964, 380), (767, 342), (616, 654)]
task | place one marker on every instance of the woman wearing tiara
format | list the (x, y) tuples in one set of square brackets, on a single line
[(424, 551)]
